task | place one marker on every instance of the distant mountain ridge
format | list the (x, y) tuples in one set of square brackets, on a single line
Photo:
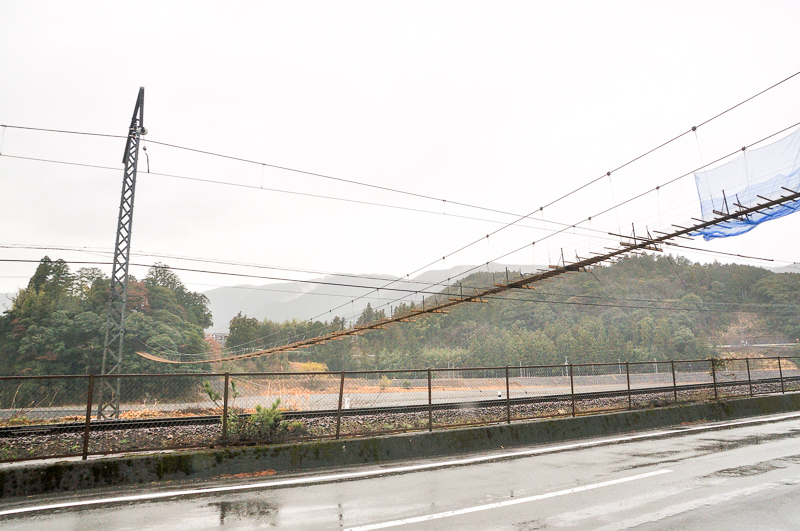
[(315, 299), (791, 268)]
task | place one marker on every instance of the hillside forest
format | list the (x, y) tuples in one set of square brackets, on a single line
[(643, 308), (56, 325)]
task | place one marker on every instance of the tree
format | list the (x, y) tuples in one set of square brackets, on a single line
[(57, 323), (243, 332)]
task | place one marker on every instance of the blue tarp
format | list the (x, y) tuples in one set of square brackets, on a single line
[(759, 172)]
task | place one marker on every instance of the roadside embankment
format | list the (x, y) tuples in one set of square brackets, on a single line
[(23, 479)]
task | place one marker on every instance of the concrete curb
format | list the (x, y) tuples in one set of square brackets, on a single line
[(39, 478)]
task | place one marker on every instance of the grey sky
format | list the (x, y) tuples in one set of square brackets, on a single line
[(506, 105)]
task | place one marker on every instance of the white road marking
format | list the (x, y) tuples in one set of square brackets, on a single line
[(497, 505), (390, 471)]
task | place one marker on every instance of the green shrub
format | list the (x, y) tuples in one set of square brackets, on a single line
[(265, 419), (214, 396), (265, 423)]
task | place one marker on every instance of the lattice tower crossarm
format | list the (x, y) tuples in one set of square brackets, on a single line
[(109, 392)]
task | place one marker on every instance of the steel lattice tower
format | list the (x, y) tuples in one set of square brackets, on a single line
[(109, 392)]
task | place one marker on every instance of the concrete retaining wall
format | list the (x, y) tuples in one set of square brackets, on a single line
[(37, 478)]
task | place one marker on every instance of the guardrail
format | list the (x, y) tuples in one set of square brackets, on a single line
[(52, 416)]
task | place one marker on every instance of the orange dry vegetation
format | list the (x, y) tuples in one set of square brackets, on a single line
[(267, 472), (770, 364)]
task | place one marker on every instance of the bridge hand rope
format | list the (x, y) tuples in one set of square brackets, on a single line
[(615, 206), (636, 243)]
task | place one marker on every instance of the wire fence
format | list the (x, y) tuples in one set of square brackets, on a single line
[(57, 416)]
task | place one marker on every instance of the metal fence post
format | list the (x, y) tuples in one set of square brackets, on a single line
[(87, 427), (749, 380), (714, 378), (430, 403), (572, 388), (225, 407), (674, 381), (780, 373), (628, 377), (339, 409), (508, 400)]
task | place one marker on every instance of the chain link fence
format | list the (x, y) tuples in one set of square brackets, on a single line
[(790, 369), (539, 392), (45, 410), (57, 416), (600, 387)]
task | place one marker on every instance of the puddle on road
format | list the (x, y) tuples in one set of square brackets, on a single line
[(253, 511)]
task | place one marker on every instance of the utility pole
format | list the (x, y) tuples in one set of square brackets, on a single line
[(109, 392)]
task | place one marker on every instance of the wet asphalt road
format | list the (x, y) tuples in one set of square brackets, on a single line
[(745, 476)]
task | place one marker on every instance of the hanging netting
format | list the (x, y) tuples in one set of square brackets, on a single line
[(767, 172)]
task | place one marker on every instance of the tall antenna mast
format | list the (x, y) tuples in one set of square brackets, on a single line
[(108, 399)]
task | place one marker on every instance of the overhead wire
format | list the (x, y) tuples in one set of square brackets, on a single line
[(430, 197), (608, 174), (625, 202), (290, 192), (224, 273), (565, 225), (262, 164), (405, 192), (301, 281), (693, 129), (206, 260)]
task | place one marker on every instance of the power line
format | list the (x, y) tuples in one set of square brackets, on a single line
[(540, 291), (571, 296), (208, 261), (574, 225), (506, 297), (415, 194), (320, 272), (479, 295), (265, 164), (425, 290), (65, 131), (358, 286), (386, 287), (319, 196), (292, 192), (224, 273), (405, 192)]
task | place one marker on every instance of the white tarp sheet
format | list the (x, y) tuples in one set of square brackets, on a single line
[(765, 172)]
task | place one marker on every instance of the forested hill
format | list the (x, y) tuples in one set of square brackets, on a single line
[(56, 325), (282, 301), (642, 308)]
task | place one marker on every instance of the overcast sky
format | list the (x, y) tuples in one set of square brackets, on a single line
[(503, 105)]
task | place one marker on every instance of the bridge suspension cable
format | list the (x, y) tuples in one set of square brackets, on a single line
[(635, 243)]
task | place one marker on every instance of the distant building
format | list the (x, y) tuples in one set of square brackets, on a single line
[(219, 337)]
